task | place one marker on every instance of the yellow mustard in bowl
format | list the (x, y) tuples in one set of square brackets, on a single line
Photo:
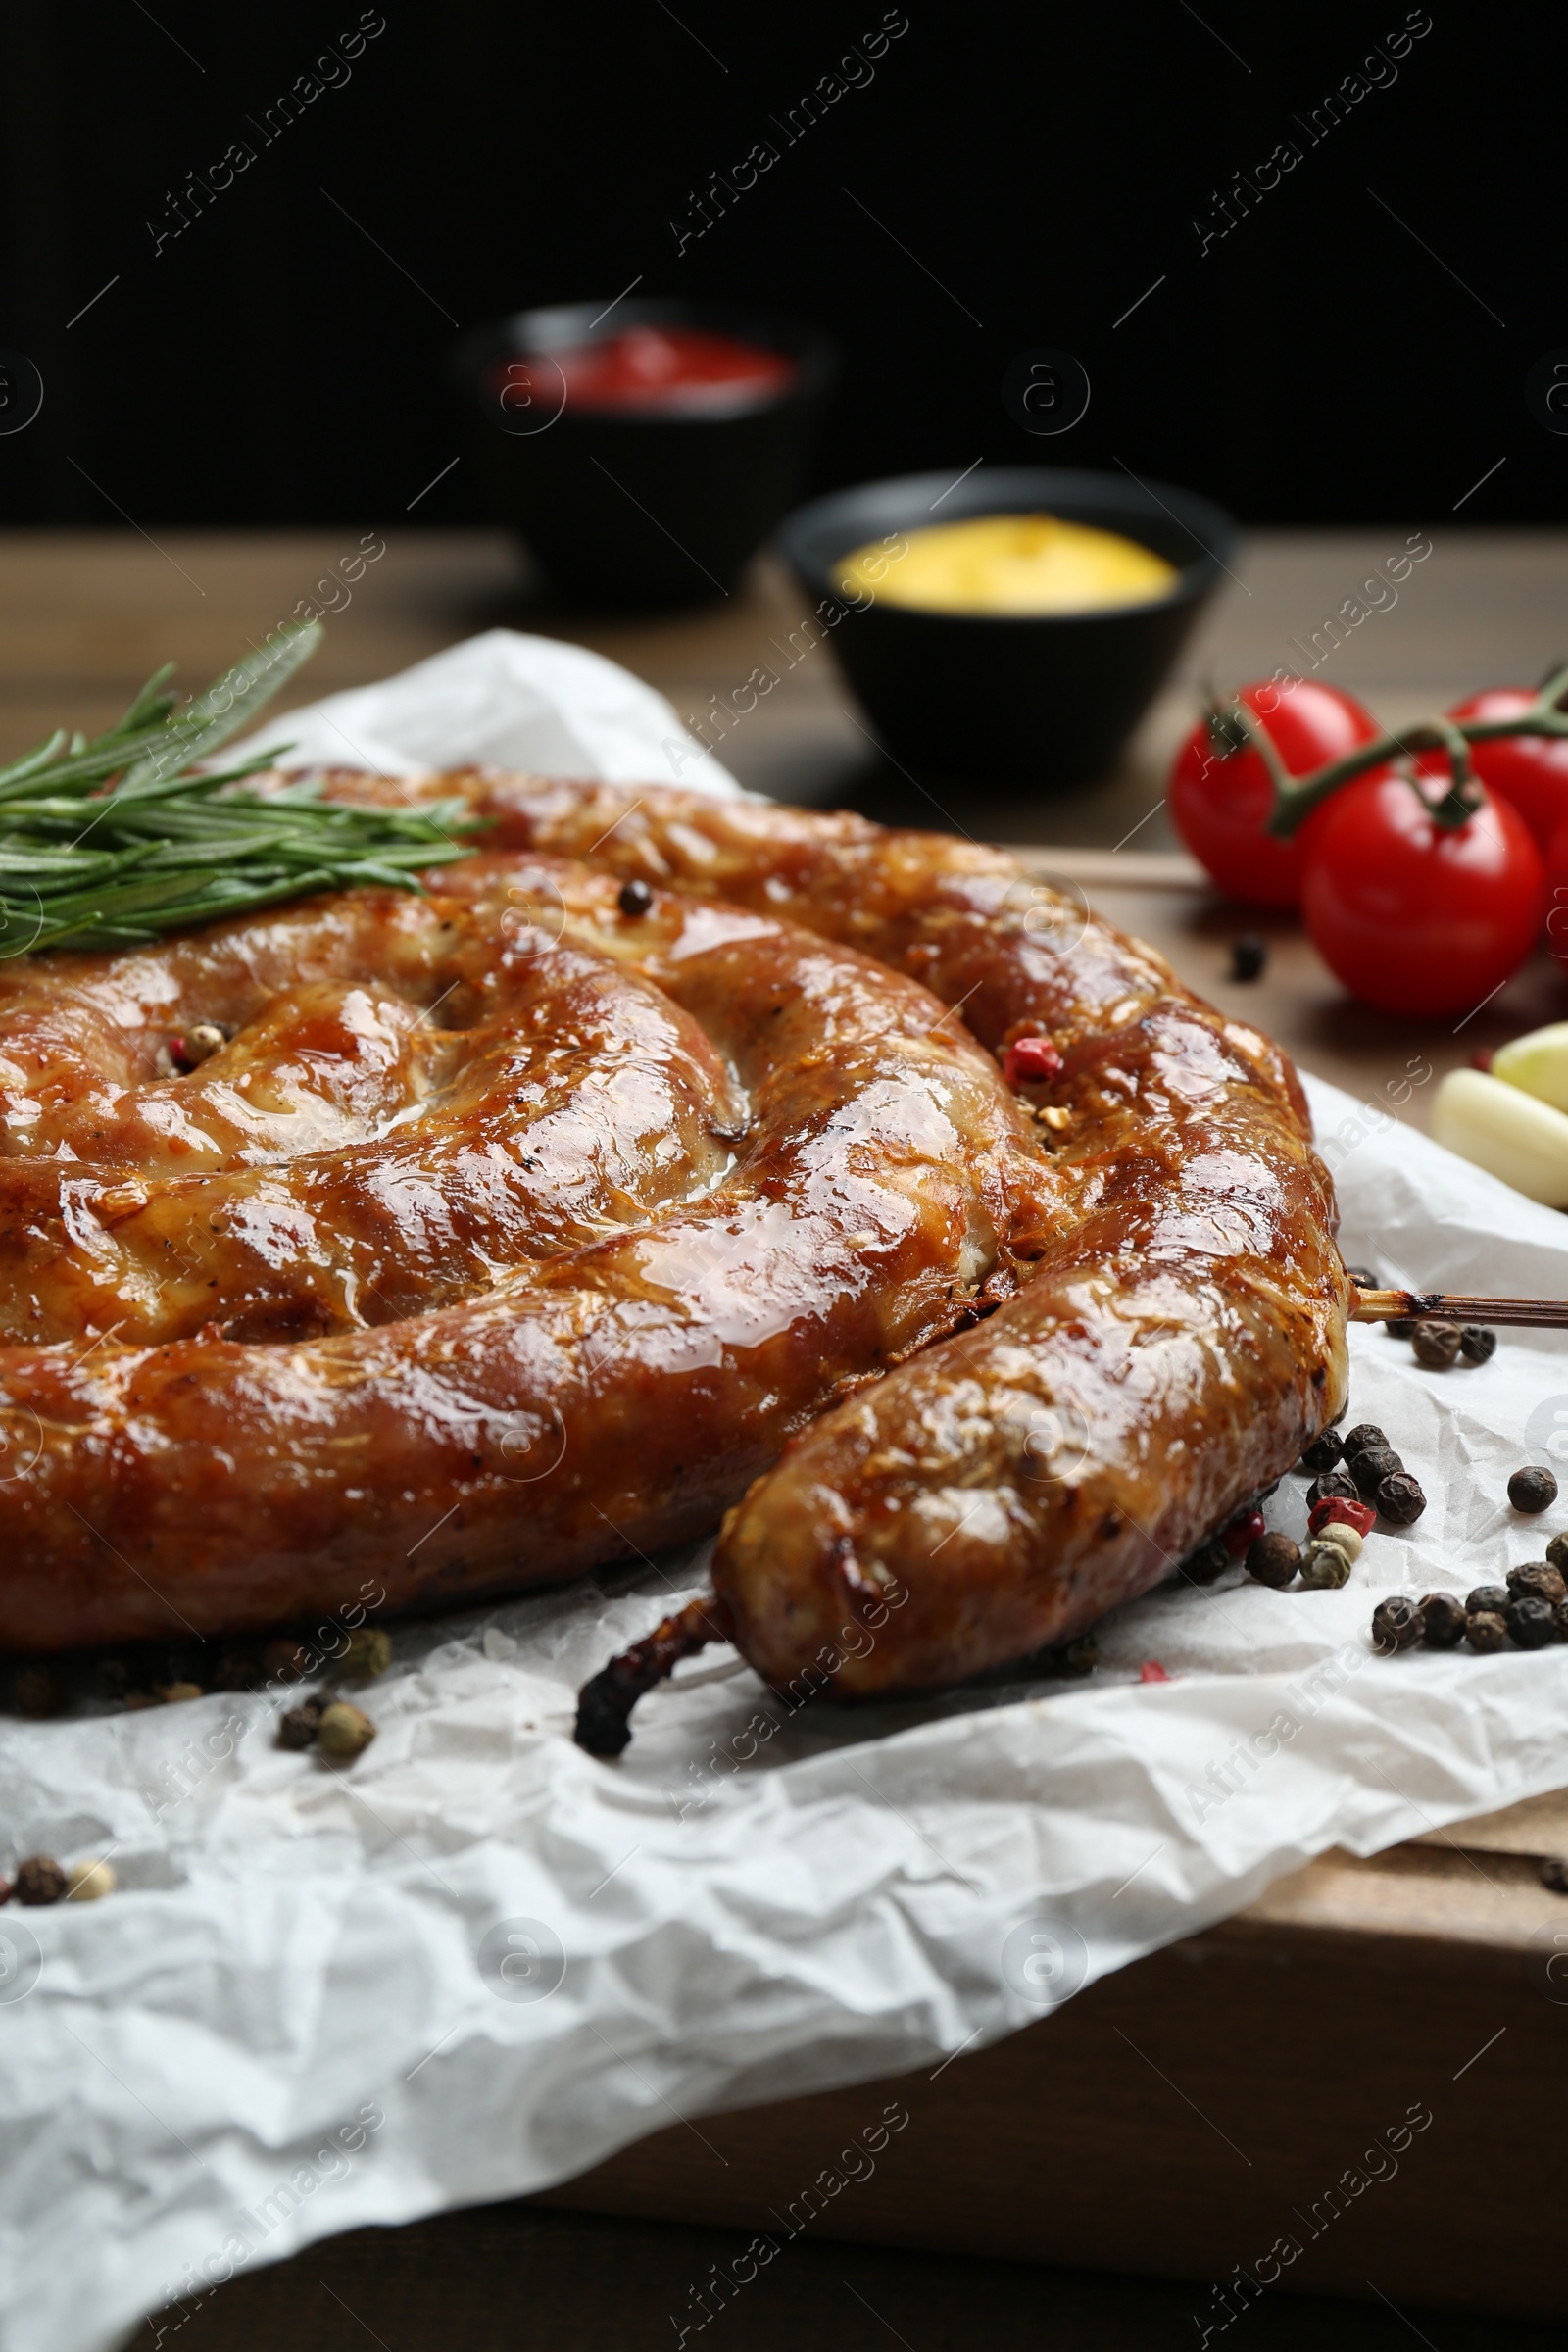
[(1010, 564)]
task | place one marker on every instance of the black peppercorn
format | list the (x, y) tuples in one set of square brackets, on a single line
[(1532, 1623), (1371, 1467), (1333, 1485), (1365, 1278), (1209, 1560), (1248, 955), (1400, 1327), (1442, 1616), (1488, 1597), (1078, 1658), (1323, 1452), (39, 1879), (1560, 1619), (1436, 1344), (1476, 1344), (38, 1691), (1273, 1559), (1558, 1553), (1397, 1624), (236, 1670), (1400, 1499), (1537, 1580), (1485, 1630), (299, 1726), (1531, 1489), (635, 898), (116, 1678), (1363, 1435)]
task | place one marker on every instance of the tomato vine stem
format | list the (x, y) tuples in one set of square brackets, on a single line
[(1295, 797)]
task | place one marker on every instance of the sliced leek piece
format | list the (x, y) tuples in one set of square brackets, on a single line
[(1510, 1134), (1538, 1063)]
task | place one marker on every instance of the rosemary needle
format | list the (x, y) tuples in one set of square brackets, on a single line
[(109, 843)]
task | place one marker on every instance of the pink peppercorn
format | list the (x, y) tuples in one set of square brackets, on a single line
[(1359, 1515), (1030, 1061), (1242, 1533)]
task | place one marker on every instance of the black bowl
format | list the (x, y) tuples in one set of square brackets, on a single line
[(1039, 698), (651, 508)]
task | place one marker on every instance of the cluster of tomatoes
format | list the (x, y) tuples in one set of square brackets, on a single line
[(1414, 912)]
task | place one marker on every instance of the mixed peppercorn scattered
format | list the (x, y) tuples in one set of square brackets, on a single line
[(1357, 1478), (40, 1879), (1362, 1468), (336, 1728), (154, 1677), (1529, 1612)]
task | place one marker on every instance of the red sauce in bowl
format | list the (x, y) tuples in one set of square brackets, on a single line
[(648, 371)]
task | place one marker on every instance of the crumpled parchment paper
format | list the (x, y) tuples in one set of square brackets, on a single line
[(502, 700), (480, 1960)]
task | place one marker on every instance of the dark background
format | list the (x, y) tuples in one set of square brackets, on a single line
[(272, 364)]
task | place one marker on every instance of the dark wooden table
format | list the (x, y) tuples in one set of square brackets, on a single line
[(1269, 2051)]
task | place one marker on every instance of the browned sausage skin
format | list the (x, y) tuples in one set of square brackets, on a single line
[(664, 1189), (1171, 1353), (1183, 1323)]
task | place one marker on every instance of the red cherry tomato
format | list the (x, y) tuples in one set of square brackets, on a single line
[(1221, 801), (1413, 918), (1556, 862), (1531, 772)]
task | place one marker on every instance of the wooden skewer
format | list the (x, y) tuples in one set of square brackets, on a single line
[(1427, 1307)]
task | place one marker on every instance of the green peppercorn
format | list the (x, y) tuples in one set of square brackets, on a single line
[(1537, 1580), (1476, 1344), (1397, 1624), (1531, 1623), (1400, 1499), (369, 1653), (344, 1732), (1326, 1566), (1273, 1559), (1442, 1617), (1487, 1630), (1531, 1489)]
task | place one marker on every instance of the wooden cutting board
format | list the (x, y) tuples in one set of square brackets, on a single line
[(1239, 2088)]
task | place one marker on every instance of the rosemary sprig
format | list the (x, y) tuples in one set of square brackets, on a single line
[(111, 843)]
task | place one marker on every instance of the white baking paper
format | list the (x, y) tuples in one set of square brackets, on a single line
[(480, 1960), (502, 700)]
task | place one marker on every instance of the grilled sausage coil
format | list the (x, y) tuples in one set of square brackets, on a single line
[(512, 1232), (1176, 1346)]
